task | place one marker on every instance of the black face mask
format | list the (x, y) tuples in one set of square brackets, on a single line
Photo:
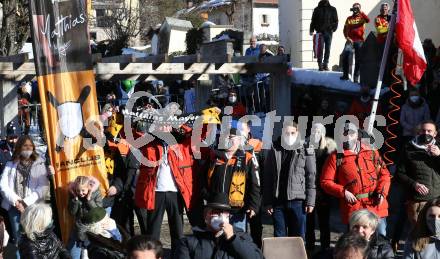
[(347, 145), (424, 139)]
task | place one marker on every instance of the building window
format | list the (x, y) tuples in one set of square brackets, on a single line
[(264, 20), (102, 18)]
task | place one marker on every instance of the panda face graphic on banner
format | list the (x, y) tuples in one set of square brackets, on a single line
[(70, 116)]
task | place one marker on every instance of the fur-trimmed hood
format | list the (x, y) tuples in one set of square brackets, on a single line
[(330, 145)]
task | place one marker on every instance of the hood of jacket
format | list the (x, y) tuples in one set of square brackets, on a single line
[(330, 145), (417, 104), (323, 3)]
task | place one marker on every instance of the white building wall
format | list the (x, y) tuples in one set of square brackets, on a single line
[(272, 16), (177, 41), (289, 17), (295, 16)]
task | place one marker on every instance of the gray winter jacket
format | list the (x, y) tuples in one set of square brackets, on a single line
[(301, 179), (412, 114)]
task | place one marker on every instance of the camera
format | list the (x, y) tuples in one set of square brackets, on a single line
[(354, 9)]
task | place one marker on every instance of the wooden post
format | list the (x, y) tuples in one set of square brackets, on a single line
[(8, 102), (281, 98), (203, 91)]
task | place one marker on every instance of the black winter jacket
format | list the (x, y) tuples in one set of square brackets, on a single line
[(380, 248), (117, 178), (221, 179), (324, 18), (419, 166), (46, 246), (203, 245)]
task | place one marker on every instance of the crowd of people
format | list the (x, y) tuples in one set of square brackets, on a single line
[(227, 190), (228, 187)]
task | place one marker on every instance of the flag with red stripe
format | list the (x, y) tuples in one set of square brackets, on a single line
[(407, 36), (318, 42)]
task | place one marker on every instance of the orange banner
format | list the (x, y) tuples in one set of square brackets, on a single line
[(68, 96)]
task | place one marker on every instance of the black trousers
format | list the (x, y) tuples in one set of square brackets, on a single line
[(173, 204), (322, 210), (123, 213), (256, 228)]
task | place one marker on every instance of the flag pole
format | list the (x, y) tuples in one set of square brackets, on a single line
[(383, 64)]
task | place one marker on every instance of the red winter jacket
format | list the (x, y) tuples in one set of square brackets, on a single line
[(362, 174), (382, 27), (182, 169), (355, 27)]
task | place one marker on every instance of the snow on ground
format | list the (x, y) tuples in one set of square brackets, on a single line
[(136, 52), (214, 4), (327, 79)]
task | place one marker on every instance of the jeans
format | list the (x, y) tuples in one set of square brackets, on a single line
[(289, 219), (74, 246), (348, 50), (382, 227), (14, 219), (327, 36), (238, 220)]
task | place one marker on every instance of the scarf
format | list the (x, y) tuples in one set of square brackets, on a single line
[(423, 147), (106, 228), (22, 178)]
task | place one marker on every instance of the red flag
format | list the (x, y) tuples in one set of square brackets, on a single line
[(407, 35)]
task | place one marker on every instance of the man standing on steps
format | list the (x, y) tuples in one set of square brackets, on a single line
[(324, 22), (382, 23), (354, 34)]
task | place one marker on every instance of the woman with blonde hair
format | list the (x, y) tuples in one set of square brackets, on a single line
[(424, 240), (39, 240), (323, 147), (24, 182), (365, 223)]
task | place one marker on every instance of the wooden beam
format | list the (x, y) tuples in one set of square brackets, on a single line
[(189, 59), (119, 59), (19, 58), (197, 68), (156, 59), (96, 58)]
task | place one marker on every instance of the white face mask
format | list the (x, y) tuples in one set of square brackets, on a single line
[(26, 153), (232, 99), (290, 139), (217, 221), (414, 98), (433, 226)]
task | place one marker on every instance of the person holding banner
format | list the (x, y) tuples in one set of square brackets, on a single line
[(23, 182)]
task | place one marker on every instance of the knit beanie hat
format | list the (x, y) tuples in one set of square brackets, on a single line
[(94, 215)]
